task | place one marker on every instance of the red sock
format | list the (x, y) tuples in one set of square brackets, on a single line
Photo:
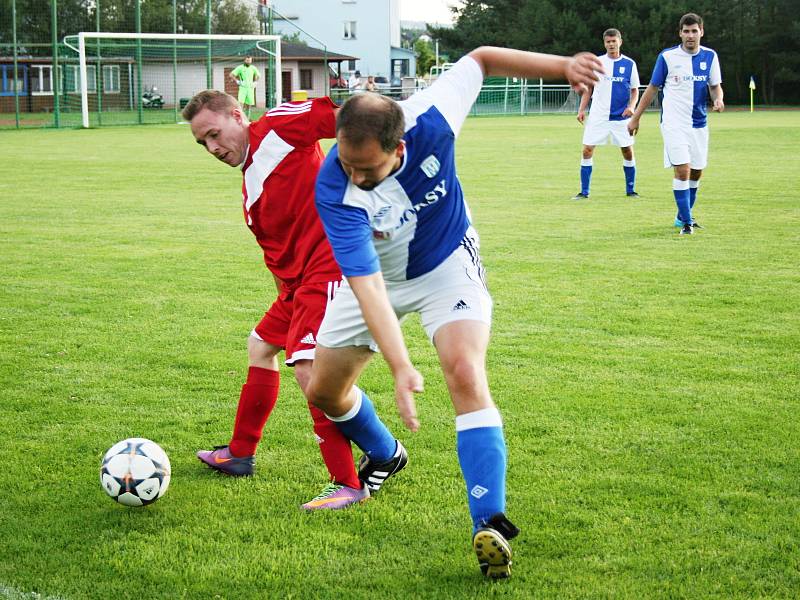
[(259, 394), (335, 449)]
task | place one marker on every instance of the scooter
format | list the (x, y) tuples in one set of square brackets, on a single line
[(152, 99)]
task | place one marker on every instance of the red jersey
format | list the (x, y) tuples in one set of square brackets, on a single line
[(280, 171)]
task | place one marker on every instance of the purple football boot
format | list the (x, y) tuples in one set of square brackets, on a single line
[(335, 496), (220, 459)]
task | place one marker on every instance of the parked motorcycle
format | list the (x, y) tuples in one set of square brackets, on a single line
[(152, 99)]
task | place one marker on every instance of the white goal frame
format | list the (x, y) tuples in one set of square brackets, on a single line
[(84, 35)]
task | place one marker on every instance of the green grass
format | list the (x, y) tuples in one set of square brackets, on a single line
[(648, 382)]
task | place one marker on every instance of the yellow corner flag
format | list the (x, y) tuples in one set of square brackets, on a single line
[(752, 87)]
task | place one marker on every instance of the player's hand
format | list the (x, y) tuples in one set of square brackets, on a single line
[(633, 125), (582, 71), (581, 116), (719, 105), (407, 383), (628, 112)]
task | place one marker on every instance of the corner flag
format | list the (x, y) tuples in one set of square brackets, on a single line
[(752, 87)]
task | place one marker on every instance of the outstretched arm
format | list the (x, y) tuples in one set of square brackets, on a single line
[(580, 70)]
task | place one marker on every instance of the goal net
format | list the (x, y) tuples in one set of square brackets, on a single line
[(138, 78)]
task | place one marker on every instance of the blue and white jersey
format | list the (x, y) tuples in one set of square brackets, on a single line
[(415, 218), (612, 94), (684, 79)]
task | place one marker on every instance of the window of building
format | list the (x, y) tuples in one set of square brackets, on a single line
[(72, 78), (111, 79), (7, 80), (349, 30), (41, 80), (306, 79)]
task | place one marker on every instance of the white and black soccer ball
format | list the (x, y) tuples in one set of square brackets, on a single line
[(135, 472)]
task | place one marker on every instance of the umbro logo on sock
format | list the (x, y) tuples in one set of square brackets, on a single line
[(460, 305), (309, 339), (478, 492)]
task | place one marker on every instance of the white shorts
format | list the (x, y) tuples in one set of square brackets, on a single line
[(685, 146), (454, 291), (597, 132)]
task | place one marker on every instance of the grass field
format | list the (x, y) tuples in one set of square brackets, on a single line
[(649, 382)]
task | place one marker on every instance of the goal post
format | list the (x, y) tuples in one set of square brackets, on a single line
[(117, 73)]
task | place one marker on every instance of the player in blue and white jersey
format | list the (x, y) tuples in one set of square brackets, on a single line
[(395, 214), (685, 74), (613, 100)]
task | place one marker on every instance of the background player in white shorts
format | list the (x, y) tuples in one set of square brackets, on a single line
[(685, 75), (613, 100)]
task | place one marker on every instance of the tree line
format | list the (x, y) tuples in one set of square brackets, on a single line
[(752, 37)]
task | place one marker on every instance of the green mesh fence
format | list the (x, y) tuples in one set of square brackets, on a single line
[(40, 79)]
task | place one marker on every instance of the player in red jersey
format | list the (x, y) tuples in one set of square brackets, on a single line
[(280, 156)]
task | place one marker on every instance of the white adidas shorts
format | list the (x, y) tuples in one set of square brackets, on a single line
[(454, 291), (687, 145), (598, 132)]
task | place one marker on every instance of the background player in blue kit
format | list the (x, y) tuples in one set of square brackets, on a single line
[(394, 212), (685, 74), (613, 100)]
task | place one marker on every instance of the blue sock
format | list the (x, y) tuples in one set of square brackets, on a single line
[(482, 455), (681, 191), (693, 185), (361, 425), (629, 166), (586, 175)]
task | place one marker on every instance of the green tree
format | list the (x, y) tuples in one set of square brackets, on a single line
[(425, 56)]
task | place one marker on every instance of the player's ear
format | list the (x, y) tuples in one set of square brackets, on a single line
[(236, 113), (401, 149)]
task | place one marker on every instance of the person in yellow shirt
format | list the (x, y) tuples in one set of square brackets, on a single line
[(245, 76)]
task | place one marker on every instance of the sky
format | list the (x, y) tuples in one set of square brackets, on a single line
[(430, 11)]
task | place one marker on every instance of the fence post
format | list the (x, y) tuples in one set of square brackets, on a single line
[(98, 75), (14, 43), (541, 96), (175, 57), (55, 79), (209, 74), (139, 89)]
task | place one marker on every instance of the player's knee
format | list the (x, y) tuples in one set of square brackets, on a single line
[(261, 354), (588, 151), (302, 374), (465, 375)]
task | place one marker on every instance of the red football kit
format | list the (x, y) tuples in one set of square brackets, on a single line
[(280, 170)]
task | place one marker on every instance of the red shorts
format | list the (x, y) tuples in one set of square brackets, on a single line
[(294, 318)]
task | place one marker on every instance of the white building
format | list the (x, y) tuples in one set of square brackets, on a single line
[(367, 29)]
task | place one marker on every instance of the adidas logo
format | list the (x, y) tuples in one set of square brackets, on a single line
[(309, 339), (460, 305)]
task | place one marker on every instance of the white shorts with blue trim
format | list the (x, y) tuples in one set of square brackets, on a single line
[(454, 291)]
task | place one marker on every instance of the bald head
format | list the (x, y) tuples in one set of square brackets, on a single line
[(366, 117)]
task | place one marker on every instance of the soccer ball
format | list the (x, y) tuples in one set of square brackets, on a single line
[(135, 472)]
